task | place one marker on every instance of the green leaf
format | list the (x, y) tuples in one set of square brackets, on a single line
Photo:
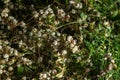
[(115, 13), (20, 69)]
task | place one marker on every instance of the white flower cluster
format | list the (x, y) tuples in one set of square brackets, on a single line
[(26, 61), (72, 44), (9, 56), (61, 13), (45, 76), (76, 4), (5, 12), (6, 1)]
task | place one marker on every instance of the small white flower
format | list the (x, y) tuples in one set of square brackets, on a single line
[(105, 58), (6, 42), (6, 59), (20, 43), (49, 30), (64, 60), (67, 18), (1, 71), (15, 21), (8, 78), (33, 79), (103, 73), (35, 30), (11, 62), (46, 12), (105, 47), (73, 11), (106, 34), (0, 47), (109, 54), (4, 71), (5, 12), (11, 50), (106, 23), (75, 49), (110, 67), (53, 33), (24, 78), (6, 56), (23, 24), (39, 34), (8, 27), (74, 42), (72, 2), (1, 66), (61, 13), (11, 6), (39, 44), (18, 65), (54, 71), (41, 11), (98, 14), (69, 38), (35, 14), (56, 22), (10, 68), (31, 34), (15, 52), (40, 59), (79, 59), (44, 15), (58, 54), (79, 5), (58, 34), (64, 52), (6, 1), (44, 75), (55, 42), (50, 10), (113, 61), (72, 45), (52, 15), (10, 18)]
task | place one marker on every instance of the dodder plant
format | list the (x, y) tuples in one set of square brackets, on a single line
[(59, 40)]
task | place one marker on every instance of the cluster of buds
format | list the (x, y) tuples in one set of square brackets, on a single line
[(76, 4), (72, 42), (5, 12)]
